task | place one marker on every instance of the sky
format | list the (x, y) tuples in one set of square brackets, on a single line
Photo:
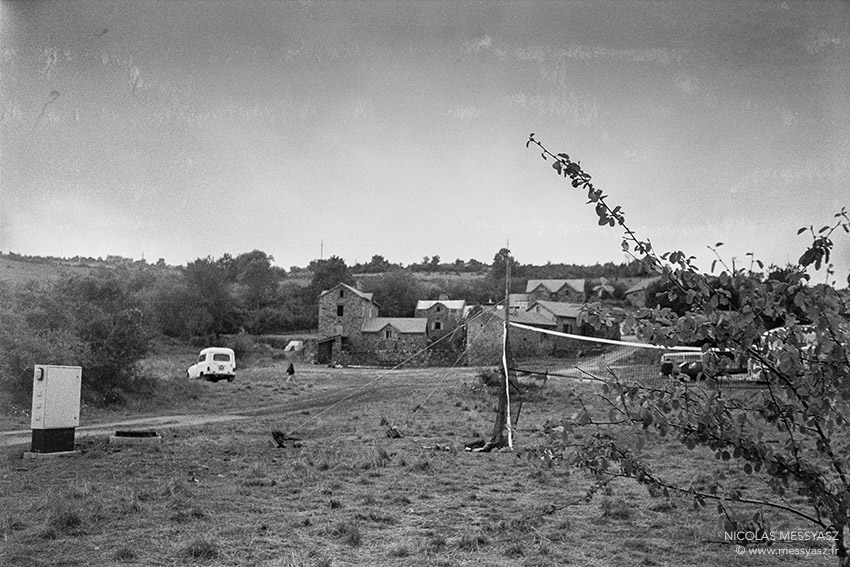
[(186, 129)]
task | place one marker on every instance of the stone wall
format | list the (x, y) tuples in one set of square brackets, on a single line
[(356, 310)]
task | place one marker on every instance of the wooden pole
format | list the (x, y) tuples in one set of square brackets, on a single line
[(505, 348)]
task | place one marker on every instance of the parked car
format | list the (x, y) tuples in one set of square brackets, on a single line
[(692, 365), (772, 342), (214, 364)]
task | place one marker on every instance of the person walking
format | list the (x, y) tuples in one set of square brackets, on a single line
[(290, 371)]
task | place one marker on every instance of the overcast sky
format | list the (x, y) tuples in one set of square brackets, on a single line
[(180, 130)]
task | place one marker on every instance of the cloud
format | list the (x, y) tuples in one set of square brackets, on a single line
[(464, 112), (658, 55), (813, 170), (562, 103), (819, 40), (478, 44), (688, 85)]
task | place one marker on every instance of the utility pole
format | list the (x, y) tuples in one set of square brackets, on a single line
[(503, 408)]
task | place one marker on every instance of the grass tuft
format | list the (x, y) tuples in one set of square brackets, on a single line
[(201, 549), (347, 532)]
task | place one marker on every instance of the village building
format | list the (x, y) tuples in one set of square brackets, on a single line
[(636, 295), (518, 302), (485, 335), (442, 315), (392, 340), (342, 312), (571, 291)]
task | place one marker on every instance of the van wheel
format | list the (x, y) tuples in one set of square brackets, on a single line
[(230, 378)]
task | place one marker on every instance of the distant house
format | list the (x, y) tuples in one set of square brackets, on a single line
[(342, 312), (391, 340), (636, 295), (518, 302), (565, 316), (571, 291), (442, 315), (485, 332), (569, 318)]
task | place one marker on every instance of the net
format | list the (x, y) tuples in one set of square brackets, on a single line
[(544, 353)]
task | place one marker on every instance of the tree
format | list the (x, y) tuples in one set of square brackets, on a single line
[(207, 286), (256, 274), (327, 274), (804, 406), (396, 292)]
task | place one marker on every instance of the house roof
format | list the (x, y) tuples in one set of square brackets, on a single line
[(641, 285), (530, 318), (451, 304), (402, 324), (554, 286), (558, 308), (518, 298), (366, 296)]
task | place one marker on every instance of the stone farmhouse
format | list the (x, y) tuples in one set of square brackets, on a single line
[(636, 295), (570, 291), (342, 312), (485, 328), (351, 330), (390, 340), (442, 315)]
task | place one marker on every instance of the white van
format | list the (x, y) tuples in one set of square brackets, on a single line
[(214, 364)]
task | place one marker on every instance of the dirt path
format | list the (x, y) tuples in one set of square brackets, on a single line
[(385, 392)]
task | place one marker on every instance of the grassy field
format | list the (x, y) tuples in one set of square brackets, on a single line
[(225, 494)]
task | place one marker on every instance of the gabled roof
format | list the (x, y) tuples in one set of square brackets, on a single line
[(558, 308), (554, 286), (527, 318), (518, 298), (401, 324), (642, 285), (366, 296), (451, 304)]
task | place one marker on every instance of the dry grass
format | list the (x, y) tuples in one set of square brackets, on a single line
[(225, 495)]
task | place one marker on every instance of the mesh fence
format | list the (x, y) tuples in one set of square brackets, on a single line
[(556, 355)]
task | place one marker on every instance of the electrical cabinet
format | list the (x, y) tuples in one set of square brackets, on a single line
[(55, 407)]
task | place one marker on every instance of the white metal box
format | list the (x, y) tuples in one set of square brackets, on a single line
[(56, 396)]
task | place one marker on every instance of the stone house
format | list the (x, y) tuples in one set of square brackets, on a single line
[(518, 302), (636, 295), (485, 331), (442, 315), (565, 316), (342, 312), (568, 318), (570, 291), (391, 340)]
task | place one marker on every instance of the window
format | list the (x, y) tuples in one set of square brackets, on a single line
[(202, 358), (221, 357), (339, 310), (439, 308), (388, 334), (438, 325), (341, 293)]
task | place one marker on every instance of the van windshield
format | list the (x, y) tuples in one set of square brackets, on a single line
[(221, 357)]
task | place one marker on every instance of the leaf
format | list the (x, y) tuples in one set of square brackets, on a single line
[(625, 246), (543, 155), (801, 230), (556, 165), (718, 245), (713, 263), (565, 156)]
